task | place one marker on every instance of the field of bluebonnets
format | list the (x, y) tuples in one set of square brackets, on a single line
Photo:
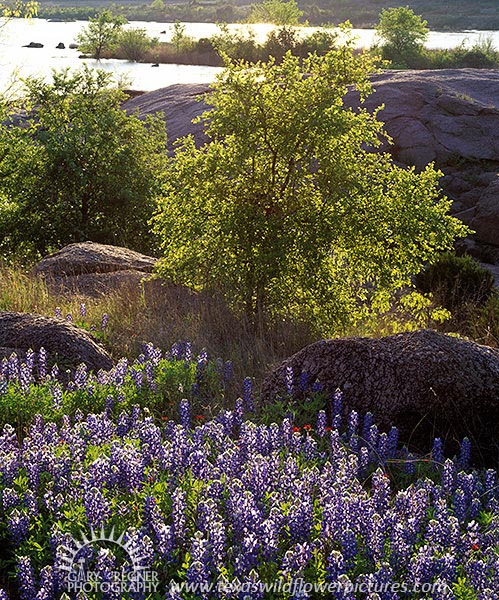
[(329, 507)]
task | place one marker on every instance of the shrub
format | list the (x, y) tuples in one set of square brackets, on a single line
[(456, 280), (402, 33), (134, 44), (81, 168)]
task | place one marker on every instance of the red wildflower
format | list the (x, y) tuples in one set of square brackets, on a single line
[(475, 547), (307, 427), (199, 417), (296, 429)]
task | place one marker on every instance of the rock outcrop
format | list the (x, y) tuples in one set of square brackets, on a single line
[(426, 383), (447, 116), (64, 343), (94, 269)]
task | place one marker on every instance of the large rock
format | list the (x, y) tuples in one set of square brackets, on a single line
[(428, 384), (92, 269), (89, 257), (65, 344), (179, 104)]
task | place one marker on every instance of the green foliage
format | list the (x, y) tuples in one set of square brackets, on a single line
[(180, 39), (456, 280), (135, 43), (402, 32), (236, 44), (278, 12), (80, 168), (284, 211), (101, 34)]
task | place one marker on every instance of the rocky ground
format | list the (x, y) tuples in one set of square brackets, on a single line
[(450, 117)]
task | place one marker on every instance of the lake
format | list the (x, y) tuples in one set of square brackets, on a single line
[(17, 62)]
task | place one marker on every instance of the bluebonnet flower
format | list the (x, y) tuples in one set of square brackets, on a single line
[(448, 476), (316, 387), (83, 310), (337, 409), (249, 405), (353, 424), (18, 525), (26, 578), (42, 363), (437, 452), (300, 519), (97, 508), (69, 318), (366, 426), (104, 321), (321, 423), (349, 547), (47, 589), (465, 454), (58, 312), (227, 372), (198, 571), (179, 514), (393, 440), (185, 413), (56, 391), (335, 566), (304, 381), (296, 559)]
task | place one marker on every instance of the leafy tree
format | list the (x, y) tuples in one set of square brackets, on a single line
[(135, 43), (285, 211), (79, 168), (403, 33), (101, 34), (279, 12)]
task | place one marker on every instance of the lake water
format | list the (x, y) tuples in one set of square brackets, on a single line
[(17, 62)]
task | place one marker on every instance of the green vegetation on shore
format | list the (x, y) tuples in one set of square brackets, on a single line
[(401, 35), (453, 15)]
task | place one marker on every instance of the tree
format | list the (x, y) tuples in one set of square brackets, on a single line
[(135, 43), (79, 168), (101, 34), (284, 211), (179, 38), (278, 12), (403, 32)]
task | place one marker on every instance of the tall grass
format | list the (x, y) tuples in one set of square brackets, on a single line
[(166, 314)]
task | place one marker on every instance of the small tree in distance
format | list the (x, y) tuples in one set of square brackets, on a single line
[(277, 12), (284, 211), (101, 34), (402, 32), (135, 43)]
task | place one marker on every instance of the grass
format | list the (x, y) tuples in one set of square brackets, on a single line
[(162, 318)]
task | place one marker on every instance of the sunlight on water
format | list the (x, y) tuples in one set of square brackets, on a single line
[(17, 62)]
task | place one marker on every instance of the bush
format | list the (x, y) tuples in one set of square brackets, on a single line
[(134, 44), (80, 169), (456, 280)]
